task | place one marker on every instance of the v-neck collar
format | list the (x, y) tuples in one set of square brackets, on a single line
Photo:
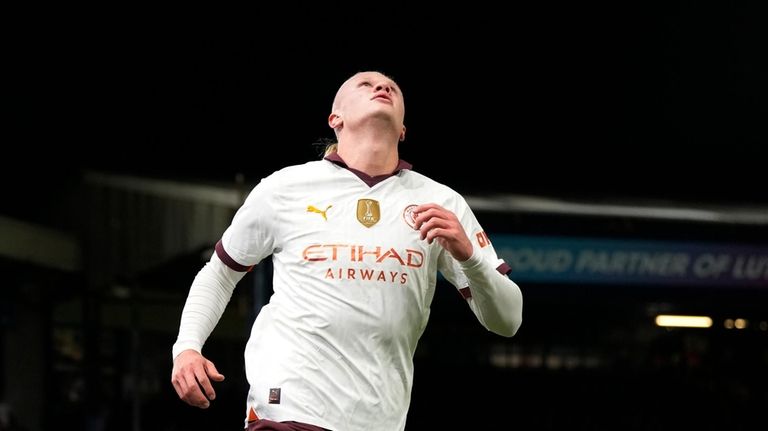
[(367, 179)]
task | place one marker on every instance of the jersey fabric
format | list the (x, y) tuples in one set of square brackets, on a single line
[(353, 284)]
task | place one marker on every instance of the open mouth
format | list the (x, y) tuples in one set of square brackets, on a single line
[(382, 95)]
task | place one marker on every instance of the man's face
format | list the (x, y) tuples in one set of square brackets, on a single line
[(369, 95)]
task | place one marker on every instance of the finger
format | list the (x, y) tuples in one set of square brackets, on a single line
[(205, 384), (178, 387), (421, 209), (426, 215), (424, 207), (181, 386), (432, 224), (427, 206), (194, 396), (435, 233), (212, 372)]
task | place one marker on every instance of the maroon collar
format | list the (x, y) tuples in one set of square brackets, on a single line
[(371, 181)]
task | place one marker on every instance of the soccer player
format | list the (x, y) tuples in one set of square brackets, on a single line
[(356, 240)]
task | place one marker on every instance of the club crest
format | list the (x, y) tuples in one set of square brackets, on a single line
[(408, 216)]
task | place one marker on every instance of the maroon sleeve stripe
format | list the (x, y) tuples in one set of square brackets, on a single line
[(227, 259), (504, 269)]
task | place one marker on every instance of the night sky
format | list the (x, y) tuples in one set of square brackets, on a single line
[(596, 101)]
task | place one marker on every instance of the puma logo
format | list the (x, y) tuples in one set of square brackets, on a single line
[(312, 209)]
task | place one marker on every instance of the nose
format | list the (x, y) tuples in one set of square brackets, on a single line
[(384, 86)]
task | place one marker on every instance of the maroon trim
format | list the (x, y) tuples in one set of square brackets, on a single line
[(268, 425), (504, 269), (228, 260), (465, 292), (367, 179)]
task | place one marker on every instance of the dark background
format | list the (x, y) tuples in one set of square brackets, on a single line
[(601, 102), (651, 100)]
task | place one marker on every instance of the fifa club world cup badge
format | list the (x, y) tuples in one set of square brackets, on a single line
[(368, 212)]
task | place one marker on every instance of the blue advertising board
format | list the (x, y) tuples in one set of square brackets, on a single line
[(664, 263)]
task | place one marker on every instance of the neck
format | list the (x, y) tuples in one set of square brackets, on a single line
[(371, 151)]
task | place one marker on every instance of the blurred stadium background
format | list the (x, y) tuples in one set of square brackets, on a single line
[(616, 157)]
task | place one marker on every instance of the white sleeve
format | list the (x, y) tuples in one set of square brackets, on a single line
[(208, 296), (496, 301), (254, 230)]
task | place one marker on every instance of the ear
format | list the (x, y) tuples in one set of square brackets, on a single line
[(402, 135), (334, 121)]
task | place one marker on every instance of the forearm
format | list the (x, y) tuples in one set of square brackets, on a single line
[(208, 296), (496, 300)]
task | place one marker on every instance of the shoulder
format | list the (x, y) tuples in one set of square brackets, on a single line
[(423, 182), (287, 179), (296, 172)]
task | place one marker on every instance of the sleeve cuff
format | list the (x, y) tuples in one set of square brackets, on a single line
[(473, 262), (185, 345)]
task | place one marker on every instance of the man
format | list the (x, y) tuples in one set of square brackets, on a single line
[(356, 240)]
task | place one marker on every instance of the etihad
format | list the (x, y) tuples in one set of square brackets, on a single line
[(361, 253)]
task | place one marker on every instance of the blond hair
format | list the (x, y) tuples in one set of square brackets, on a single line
[(331, 148)]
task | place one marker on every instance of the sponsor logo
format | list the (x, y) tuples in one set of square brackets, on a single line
[(360, 253), (364, 263), (368, 212), (482, 239), (313, 209)]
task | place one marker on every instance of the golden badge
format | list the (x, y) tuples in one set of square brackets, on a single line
[(368, 212)]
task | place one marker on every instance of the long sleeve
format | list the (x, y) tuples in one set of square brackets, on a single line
[(495, 299), (208, 296)]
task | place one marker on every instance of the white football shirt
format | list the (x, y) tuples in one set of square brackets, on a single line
[(353, 283)]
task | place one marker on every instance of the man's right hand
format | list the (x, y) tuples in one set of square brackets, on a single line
[(191, 377)]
